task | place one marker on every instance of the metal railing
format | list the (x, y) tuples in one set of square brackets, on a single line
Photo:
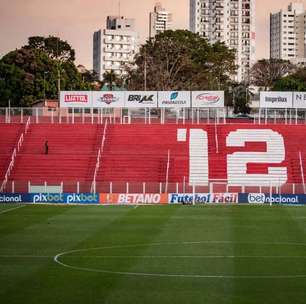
[(150, 116), (167, 171), (155, 187), (100, 152), (14, 154)]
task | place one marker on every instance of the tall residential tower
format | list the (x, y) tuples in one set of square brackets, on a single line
[(160, 20), (288, 34), (230, 21), (114, 46)]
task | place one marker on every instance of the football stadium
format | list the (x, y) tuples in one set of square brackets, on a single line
[(153, 197)]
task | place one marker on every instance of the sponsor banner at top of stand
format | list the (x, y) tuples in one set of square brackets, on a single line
[(174, 99), (133, 199), (140, 99), (111, 99), (274, 199), (203, 198), (75, 99), (207, 99), (299, 100), (277, 100)]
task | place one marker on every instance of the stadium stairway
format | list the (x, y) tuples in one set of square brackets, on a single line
[(9, 137), (72, 156)]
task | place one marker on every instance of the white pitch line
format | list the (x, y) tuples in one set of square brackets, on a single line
[(26, 256), (184, 257), (65, 254), (11, 209)]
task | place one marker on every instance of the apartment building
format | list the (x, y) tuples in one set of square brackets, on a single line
[(160, 20), (288, 34), (230, 21), (115, 46)]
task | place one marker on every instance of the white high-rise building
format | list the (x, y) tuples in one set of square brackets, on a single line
[(114, 46), (160, 20), (230, 21), (288, 34)]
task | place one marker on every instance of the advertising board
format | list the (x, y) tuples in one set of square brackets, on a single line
[(276, 100), (203, 198), (174, 99), (299, 100), (108, 99), (134, 199), (274, 199), (50, 198), (75, 99), (140, 99), (207, 99)]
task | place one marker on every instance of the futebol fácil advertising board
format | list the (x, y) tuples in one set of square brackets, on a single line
[(174, 99), (75, 99), (112, 99), (276, 100), (207, 99)]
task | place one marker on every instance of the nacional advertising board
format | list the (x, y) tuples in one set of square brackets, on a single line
[(140, 99), (174, 99), (207, 99), (299, 100), (273, 199), (276, 100), (75, 99), (108, 99)]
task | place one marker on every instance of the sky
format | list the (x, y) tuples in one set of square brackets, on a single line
[(76, 21)]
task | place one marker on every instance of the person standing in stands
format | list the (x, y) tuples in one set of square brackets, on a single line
[(46, 147)]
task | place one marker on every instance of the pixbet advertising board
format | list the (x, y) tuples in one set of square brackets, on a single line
[(108, 99), (174, 99), (276, 100), (207, 99), (76, 99)]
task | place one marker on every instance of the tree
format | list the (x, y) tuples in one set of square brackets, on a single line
[(242, 99), (267, 71), (294, 82), (181, 60), (54, 47), (37, 71), (12, 84), (111, 79)]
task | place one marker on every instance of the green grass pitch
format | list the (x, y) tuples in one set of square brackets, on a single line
[(152, 254)]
